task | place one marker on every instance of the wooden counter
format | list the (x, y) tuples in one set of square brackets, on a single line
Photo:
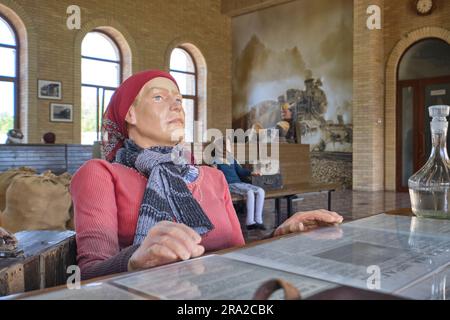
[(109, 279)]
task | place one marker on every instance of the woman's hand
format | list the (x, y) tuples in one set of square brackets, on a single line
[(305, 221), (166, 242)]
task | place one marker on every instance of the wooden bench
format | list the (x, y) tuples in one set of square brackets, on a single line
[(295, 169), (46, 256), (58, 158)]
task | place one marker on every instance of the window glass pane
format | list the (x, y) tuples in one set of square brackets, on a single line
[(181, 60), (7, 62), (89, 115), (104, 99), (98, 45), (108, 96), (6, 34), (186, 82), (188, 106), (100, 73), (6, 109)]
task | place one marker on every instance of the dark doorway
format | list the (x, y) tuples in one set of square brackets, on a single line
[(423, 81)]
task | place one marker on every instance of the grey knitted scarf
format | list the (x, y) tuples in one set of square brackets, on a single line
[(166, 196)]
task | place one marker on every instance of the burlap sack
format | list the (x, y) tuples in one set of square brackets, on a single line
[(36, 203), (5, 180), (65, 179)]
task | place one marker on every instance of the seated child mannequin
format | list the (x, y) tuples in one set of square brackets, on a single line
[(234, 173)]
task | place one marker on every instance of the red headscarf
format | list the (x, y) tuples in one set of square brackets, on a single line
[(114, 130)]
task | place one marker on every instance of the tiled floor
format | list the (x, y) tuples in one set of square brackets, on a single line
[(350, 204)]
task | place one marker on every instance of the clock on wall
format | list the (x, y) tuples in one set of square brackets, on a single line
[(424, 7)]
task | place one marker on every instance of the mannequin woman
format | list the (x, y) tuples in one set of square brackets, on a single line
[(138, 209)]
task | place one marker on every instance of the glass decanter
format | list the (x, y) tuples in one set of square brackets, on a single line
[(429, 188)]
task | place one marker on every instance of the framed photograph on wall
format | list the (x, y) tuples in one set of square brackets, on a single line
[(61, 112), (49, 90)]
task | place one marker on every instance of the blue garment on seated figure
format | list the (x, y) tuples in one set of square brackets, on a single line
[(233, 172)]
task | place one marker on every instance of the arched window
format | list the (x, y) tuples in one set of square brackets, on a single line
[(184, 70), (9, 86), (101, 74)]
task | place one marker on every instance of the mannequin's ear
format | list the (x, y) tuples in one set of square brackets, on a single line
[(130, 118)]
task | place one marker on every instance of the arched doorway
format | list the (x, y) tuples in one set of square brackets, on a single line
[(423, 80)]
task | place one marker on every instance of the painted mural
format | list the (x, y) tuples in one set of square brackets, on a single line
[(292, 70)]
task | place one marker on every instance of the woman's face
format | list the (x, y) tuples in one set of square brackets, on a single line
[(157, 116)]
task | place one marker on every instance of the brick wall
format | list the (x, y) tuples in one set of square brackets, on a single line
[(374, 148), (368, 93), (151, 29), (376, 58)]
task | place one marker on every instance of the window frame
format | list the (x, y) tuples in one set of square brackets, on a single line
[(194, 98), (120, 62), (100, 87), (15, 80)]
